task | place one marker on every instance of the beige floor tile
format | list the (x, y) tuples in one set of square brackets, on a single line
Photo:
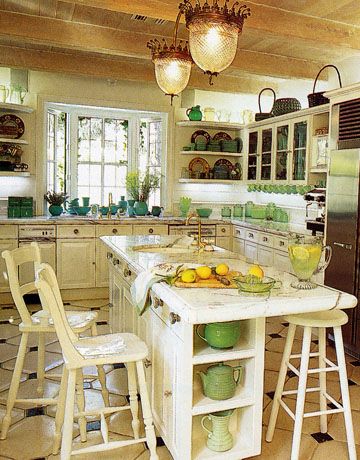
[(354, 391), (28, 389), (33, 433), (280, 447), (33, 339), (272, 360), (116, 382), (298, 333), (8, 330), (337, 427), (91, 302), (270, 380), (278, 345), (266, 401), (273, 328), (7, 352), (30, 364), (354, 373), (5, 379), (285, 422), (54, 347), (7, 313), (162, 452), (16, 414), (333, 450), (332, 387), (120, 423)]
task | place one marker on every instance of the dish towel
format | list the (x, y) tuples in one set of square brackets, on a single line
[(140, 290)]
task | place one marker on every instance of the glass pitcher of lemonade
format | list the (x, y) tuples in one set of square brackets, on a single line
[(305, 253)]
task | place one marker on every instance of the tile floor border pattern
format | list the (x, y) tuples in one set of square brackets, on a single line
[(315, 445)]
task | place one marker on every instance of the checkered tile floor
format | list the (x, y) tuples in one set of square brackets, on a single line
[(30, 436)]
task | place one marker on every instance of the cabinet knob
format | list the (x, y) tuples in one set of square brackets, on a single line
[(127, 272), (282, 243), (114, 230), (76, 231), (111, 305), (116, 261), (251, 235), (151, 230), (223, 230), (174, 318), (109, 255), (158, 302), (265, 238), (167, 393), (147, 363)]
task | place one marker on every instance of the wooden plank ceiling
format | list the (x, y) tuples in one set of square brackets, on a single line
[(282, 39)]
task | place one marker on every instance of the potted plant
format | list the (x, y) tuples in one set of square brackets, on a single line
[(55, 200), (139, 187)]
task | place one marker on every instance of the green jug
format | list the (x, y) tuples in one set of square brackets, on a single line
[(194, 114), (219, 438), (221, 335), (219, 382)]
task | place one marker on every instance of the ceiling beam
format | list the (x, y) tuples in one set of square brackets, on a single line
[(83, 65), (115, 42), (263, 18)]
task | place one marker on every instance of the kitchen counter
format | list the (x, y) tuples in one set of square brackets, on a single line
[(204, 305), (177, 354)]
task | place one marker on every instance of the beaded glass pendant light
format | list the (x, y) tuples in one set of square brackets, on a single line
[(213, 33), (172, 63)]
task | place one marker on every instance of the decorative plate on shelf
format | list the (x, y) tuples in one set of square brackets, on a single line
[(199, 164), (200, 134), (222, 136), (11, 126), (224, 163)]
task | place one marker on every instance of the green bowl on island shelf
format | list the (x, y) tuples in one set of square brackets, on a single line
[(204, 212)]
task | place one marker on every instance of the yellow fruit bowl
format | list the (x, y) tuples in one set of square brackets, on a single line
[(253, 285)]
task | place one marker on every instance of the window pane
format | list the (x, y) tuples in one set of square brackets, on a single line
[(109, 152), (83, 174), (95, 175), (83, 150), (95, 148), (110, 175)]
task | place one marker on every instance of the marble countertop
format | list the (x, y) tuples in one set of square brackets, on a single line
[(211, 305)]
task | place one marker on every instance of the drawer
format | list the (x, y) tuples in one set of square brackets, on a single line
[(122, 268), (75, 231), (8, 231), (150, 230), (111, 230), (280, 243), (251, 235), (223, 230), (266, 240), (239, 232), (170, 318)]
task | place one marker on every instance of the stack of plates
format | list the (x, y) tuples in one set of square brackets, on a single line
[(229, 146), (214, 146), (200, 145)]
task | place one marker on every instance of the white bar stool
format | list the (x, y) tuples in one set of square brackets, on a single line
[(322, 320), (41, 323), (95, 351)]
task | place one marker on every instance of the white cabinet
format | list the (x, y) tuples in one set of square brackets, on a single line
[(265, 256), (5, 245), (223, 242), (157, 229), (48, 255), (238, 246), (76, 263), (251, 251)]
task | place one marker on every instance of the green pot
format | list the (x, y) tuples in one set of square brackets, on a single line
[(141, 208), (56, 210), (221, 335), (194, 114), (219, 381)]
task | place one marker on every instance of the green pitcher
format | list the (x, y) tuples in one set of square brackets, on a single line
[(221, 335), (219, 382), (194, 114), (219, 438)]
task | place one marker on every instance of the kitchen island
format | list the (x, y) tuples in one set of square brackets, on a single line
[(177, 354)]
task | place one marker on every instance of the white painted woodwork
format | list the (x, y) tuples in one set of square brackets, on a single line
[(265, 256), (223, 230), (251, 251), (223, 242), (48, 255), (238, 246), (75, 231), (76, 263), (5, 245), (8, 231), (156, 229)]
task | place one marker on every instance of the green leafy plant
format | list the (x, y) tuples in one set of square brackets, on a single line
[(56, 198), (139, 186)]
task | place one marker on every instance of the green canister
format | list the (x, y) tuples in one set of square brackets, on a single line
[(219, 381), (221, 335)]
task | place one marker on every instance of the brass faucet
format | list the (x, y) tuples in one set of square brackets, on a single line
[(200, 244), (108, 215)]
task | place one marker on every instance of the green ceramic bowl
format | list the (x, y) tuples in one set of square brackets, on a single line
[(81, 210), (204, 212), (254, 285)]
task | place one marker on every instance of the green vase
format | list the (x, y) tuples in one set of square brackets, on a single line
[(221, 335), (55, 210), (141, 208), (219, 438)]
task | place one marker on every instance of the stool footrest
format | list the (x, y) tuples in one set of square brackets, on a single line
[(107, 446), (294, 392), (105, 410), (299, 355), (37, 401)]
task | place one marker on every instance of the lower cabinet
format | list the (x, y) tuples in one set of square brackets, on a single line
[(223, 242), (251, 251), (76, 263), (238, 246), (48, 255), (5, 245), (265, 256)]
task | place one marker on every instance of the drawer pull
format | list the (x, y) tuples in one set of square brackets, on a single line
[(251, 235), (265, 239), (127, 272), (174, 318), (109, 255), (110, 305), (223, 230), (167, 393), (114, 230), (151, 230), (76, 231), (281, 243), (147, 363), (116, 261), (158, 302)]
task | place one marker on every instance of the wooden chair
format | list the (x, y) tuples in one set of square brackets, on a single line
[(95, 351), (327, 319), (41, 323)]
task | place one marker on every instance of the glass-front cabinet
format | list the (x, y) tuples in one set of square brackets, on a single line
[(298, 158), (252, 163), (281, 152), (266, 154)]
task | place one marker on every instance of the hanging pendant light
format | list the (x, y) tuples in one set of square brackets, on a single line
[(172, 63), (213, 33)]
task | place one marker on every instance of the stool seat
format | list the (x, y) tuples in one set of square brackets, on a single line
[(330, 318)]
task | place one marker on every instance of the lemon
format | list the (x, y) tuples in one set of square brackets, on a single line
[(300, 252), (256, 270), (203, 272), (188, 276), (221, 269)]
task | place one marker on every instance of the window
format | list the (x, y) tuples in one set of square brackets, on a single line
[(103, 145)]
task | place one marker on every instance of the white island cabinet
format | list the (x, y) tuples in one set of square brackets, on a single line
[(177, 354)]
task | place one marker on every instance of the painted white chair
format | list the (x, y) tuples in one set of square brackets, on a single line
[(41, 323), (322, 320), (81, 352)]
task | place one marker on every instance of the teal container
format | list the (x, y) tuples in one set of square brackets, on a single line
[(141, 208), (130, 209), (122, 203), (26, 211), (194, 114), (14, 211), (55, 210)]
